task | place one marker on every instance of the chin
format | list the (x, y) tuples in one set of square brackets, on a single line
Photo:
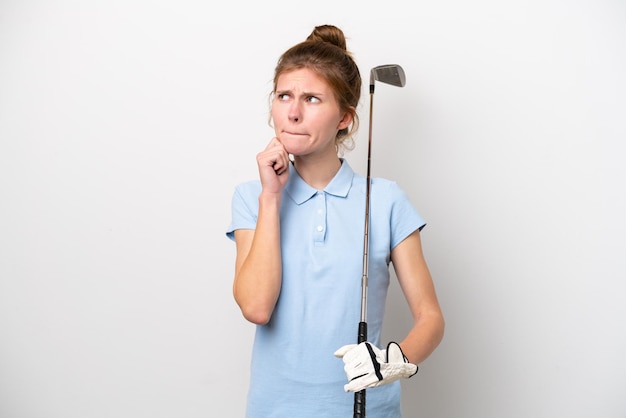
[(293, 150)]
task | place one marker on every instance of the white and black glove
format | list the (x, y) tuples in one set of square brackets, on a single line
[(367, 366)]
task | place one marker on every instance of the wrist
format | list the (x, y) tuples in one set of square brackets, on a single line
[(269, 201)]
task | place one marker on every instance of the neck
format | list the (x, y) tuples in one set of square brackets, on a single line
[(317, 173)]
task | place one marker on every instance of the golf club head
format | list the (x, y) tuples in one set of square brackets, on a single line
[(389, 74)]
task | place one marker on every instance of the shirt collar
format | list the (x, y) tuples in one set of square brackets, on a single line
[(300, 191)]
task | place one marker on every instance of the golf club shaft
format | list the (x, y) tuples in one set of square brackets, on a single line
[(359, 397), (366, 233)]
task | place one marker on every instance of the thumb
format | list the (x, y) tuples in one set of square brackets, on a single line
[(395, 354), (354, 386)]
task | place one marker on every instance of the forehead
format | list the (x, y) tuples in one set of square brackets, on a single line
[(302, 79)]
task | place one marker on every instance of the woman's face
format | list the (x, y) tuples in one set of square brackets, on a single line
[(306, 114)]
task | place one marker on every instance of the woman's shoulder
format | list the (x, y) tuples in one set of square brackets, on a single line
[(247, 192), (385, 185), (248, 186), (380, 186)]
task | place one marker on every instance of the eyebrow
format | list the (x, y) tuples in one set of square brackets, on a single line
[(305, 93)]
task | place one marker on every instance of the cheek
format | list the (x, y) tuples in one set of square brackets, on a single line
[(275, 114)]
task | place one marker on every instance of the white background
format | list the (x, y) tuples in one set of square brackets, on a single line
[(125, 125)]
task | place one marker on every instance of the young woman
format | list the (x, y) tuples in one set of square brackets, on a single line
[(299, 239)]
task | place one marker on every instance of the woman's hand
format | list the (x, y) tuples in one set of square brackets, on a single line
[(273, 164)]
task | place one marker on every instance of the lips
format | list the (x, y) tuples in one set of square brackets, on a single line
[(294, 133)]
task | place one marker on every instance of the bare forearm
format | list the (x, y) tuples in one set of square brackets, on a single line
[(419, 290), (259, 271), (424, 337)]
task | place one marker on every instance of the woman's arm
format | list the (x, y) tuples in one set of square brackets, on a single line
[(258, 265), (419, 290)]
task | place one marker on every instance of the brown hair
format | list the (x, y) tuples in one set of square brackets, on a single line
[(325, 52)]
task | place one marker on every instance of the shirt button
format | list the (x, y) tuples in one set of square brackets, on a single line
[(320, 228), (320, 212)]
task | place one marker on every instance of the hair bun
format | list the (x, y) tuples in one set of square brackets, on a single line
[(328, 33)]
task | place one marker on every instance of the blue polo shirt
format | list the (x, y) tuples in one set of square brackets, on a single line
[(293, 371)]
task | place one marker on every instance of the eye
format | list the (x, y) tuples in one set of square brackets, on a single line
[(312, 99), (282, 97)]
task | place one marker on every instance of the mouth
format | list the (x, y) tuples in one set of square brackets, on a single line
[(294, 134)]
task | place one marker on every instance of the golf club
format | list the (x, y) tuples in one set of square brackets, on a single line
[(394, 75)]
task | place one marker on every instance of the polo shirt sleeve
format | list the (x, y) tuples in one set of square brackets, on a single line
[(404, 219), (244, 207)]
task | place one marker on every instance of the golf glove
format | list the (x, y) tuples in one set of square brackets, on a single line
[(367, 366)]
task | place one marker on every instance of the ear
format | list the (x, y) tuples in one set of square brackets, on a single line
[(346, 120)]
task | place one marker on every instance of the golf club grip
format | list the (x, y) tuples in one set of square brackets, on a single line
[(359, 404), (362, 337), (359, 397)]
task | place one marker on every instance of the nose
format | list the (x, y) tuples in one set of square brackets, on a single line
[(295, 114)]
